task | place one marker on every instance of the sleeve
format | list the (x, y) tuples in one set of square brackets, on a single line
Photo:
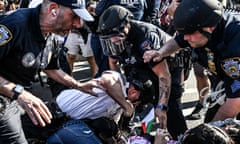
[(101, 6)]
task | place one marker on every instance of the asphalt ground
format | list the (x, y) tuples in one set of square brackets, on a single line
[(82, 73)]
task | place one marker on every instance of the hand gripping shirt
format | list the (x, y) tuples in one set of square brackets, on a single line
[(222, 52), (23, 48)]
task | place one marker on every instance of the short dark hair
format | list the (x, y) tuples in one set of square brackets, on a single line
[(206, 133)]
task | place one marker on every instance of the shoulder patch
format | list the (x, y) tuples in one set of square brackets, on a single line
[(5, 35), (147, 44), (231, 67)]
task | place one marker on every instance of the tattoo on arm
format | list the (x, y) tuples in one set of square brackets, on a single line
[(164, 89)]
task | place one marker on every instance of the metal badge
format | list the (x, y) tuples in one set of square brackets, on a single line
[(231, 67), (211, 64), (5, 35), (28, 60)]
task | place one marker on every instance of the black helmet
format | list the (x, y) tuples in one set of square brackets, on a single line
[(111, 24), (193, 15), (113, 19)]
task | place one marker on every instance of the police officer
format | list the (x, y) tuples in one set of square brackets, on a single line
[(24, 52), (214, 32), (125, 40)]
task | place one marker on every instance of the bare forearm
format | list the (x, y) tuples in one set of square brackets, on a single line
[(164, 90), (169, 48), (63, 78)]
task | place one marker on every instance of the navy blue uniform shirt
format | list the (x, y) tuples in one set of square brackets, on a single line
[(221, 55), (22, 46), (141, 37)]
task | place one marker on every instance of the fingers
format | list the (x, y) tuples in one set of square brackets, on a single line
[(161, 118), (39, 113), (147, 56), (36, 109), (151, 55)]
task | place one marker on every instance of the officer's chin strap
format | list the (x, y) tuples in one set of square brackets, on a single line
[(208, 35)]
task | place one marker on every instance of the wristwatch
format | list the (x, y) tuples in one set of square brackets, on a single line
[(162, 107), (17, 91)]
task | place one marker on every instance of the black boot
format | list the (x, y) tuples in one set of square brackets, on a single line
[(195, 115)]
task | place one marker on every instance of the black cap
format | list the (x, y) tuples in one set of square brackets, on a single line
[(78, 7)]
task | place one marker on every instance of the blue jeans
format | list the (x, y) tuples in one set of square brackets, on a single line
[(11, 131), (74, 132)]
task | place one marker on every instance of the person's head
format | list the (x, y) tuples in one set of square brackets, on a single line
[(113, 28), (60, 16), (197, 20), (140, 89), (205, 133)]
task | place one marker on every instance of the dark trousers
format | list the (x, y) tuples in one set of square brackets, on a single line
[(176, 123), (11, 131)]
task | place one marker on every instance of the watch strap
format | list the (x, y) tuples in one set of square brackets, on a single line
[(162, 107), (16, 93)]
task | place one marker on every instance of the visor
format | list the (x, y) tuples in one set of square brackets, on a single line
[(111, 48), (78, 7)]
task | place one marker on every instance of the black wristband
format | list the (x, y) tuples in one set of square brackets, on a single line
[(17, 91), (162, 107)]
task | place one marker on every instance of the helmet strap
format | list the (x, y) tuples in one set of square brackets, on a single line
[(205, 33)]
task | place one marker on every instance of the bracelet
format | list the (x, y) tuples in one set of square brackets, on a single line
[(162, 107)]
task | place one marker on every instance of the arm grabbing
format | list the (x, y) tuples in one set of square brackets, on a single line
[(167, 49)]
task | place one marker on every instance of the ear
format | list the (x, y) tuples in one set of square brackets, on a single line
[(126, 28), (53, 9)]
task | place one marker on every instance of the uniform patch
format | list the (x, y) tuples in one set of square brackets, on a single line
[(231, 67), (5, 35), (146, 45), (28, 60)]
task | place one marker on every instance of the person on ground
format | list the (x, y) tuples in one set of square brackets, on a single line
[(124, 40)]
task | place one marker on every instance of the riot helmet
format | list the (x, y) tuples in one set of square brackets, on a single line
[(193, 15), (111, 25)]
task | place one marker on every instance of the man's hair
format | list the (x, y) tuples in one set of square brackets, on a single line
[(206, 133)]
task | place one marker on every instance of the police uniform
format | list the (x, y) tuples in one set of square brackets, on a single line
[(221, 55), (141, 37), (23, 52)]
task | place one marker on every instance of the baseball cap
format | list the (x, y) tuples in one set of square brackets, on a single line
[(78, 7)]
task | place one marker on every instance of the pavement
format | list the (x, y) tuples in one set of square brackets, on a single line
[(82, 73)]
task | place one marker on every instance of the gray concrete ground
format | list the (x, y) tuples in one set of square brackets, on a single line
[(82, 73)]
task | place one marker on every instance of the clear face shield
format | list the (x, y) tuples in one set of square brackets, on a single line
[(113, 44)]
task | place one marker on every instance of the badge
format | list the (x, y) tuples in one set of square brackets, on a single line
[(5, 35), (231, 67), (211, 64), (28, 60)]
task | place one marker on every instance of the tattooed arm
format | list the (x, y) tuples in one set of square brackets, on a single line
[(161, 70)]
